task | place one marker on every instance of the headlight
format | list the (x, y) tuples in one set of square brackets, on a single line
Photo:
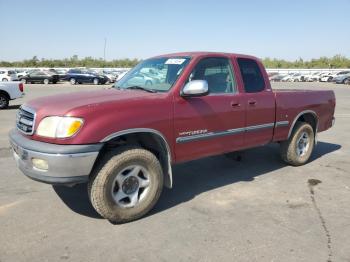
[(59, 127)]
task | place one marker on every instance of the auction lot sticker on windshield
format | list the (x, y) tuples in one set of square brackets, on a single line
[(175, 61)]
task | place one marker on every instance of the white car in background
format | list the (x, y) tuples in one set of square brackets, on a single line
[(330, 77), (325, 77), (22, 73), (297, 77), (10, 91), (120, 76), (111, 77), (287, 78), (8, 75), (312, 77)]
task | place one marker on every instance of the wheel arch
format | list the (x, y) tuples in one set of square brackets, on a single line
[(149, 139), (6, 94), (308, 116)]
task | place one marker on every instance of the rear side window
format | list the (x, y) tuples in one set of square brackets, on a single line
[(252, 77)]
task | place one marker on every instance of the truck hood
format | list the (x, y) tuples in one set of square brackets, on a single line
[(62, 104)]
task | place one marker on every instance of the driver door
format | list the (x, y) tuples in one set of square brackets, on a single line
[(211, 124)]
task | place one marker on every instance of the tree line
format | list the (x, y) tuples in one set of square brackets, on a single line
[(337, 61), (73, 61)]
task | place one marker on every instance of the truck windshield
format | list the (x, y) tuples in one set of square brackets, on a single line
[(156, 74)]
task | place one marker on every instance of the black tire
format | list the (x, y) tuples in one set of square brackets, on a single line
[(23, 80), (4, 101), (101, 184), (73, 81), (5, 80), (95, 81), (346, 81), (288, 148), (46, 81)]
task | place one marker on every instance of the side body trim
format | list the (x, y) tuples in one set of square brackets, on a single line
[(186, 139), (282, 123)]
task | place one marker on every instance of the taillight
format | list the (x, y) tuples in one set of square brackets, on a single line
[(20, 86)]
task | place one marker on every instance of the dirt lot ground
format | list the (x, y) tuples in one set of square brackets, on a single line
[(257, 209)]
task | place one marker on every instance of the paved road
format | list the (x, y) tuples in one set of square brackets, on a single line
[(257, 209)]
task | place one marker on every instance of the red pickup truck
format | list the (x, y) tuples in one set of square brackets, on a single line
[(168, 109)]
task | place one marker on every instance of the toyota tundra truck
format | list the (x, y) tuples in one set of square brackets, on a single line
[(123, 141)]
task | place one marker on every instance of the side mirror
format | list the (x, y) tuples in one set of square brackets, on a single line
[(195, 88)]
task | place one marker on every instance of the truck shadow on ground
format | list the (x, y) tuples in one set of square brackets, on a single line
[(12, 107), (196, 177)]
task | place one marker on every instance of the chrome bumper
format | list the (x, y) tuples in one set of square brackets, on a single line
[(67, 164)]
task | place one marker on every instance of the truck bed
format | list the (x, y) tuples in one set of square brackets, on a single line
[(291, 103)]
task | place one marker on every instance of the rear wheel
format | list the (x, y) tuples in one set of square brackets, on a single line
[(96, 81), (298, 148), (347, 81), (4, 101), (46, 81), (73, 81), (5, 80), (23, 80), (126, 184)]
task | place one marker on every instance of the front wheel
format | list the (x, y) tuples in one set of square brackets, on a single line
[(5, 80), (46, 81), (126, 184), (298, 148), (95, 81), (23, 80)]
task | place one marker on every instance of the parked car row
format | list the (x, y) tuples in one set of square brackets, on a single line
[(342, 77), (74, 76), (103, 76)]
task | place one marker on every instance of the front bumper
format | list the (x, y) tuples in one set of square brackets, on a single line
[(67, 164)]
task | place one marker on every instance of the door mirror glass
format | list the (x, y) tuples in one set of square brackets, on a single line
[(195, 88)]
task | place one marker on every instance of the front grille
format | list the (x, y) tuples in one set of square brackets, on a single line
[(25, 120)]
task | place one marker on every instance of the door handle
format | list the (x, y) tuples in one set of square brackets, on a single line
[(235, 104), (252, 102)]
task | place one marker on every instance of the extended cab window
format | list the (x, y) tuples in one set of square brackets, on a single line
[(252, 77), (217, 72)]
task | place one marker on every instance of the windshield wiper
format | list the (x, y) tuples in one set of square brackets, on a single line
[(141, 88)]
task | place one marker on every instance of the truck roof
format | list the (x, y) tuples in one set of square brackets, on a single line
[(204, 53)]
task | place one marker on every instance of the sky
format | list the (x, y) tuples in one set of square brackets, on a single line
[(140, 29)]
